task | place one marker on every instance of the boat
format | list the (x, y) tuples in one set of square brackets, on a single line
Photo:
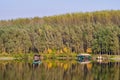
[(36, 59), (84, 57), (100, 59)]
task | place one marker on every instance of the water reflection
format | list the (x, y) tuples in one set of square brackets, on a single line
[(59, 70)]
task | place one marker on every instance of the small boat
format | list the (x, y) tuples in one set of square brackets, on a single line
[(99, 59), (36, 59), (84, 57)]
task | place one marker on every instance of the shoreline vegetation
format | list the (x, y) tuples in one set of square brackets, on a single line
[(55, 57)]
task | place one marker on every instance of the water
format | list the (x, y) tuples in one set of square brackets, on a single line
[(59, 70)]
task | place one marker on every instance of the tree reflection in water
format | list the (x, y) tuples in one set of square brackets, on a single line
[(59, 70)]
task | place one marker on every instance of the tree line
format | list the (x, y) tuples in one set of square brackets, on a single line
[(73, 32)]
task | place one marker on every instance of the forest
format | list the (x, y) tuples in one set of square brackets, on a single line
[(95, 32)]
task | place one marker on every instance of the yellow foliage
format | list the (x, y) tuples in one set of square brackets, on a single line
[(65, 50), (49, 51), (89, 50), (89, 66), (49, 65), (61, 64), (61, 51), (65, 66)]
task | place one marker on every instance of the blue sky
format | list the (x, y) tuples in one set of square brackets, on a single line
[(12, 9)]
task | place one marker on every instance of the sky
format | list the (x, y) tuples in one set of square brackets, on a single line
[(12, 9)]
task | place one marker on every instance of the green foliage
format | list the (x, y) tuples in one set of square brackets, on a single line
[(76, 31)]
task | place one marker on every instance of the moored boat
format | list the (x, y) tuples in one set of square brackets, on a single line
[(84, 57), (36, 59)]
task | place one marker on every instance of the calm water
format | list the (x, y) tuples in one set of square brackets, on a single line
[(59, 70)]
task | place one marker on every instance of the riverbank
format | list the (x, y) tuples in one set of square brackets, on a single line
[(29, 56), (115, 57), (107, 57), (54, 56)]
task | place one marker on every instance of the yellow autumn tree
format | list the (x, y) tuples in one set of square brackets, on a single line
[(61, 51), (89, 50), (49, 51), (66, 50)]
